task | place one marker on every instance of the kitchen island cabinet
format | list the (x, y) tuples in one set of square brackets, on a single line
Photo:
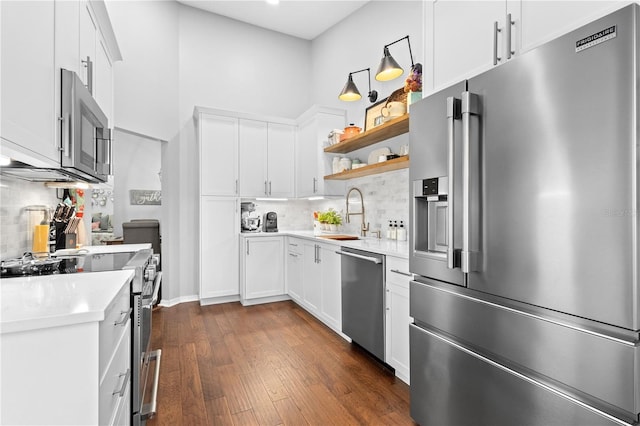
[(262, 277), (65, 349)]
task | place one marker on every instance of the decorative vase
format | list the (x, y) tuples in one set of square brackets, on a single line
[(413, 97), (333, 227)]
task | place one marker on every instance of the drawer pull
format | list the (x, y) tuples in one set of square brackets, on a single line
[(123, 321), (406, 274), (123, 388)]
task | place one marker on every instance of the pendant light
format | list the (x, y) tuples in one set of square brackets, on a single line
[(389, 67), (350, 91)]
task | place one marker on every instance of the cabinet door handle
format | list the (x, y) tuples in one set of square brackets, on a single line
[(236, 190), (496, 30), (247, 247), (315, 181), (293, 255), (265, 188), (507, 36), (125, 382), (89, 65), (126, 316), (401, 273), (269, 187)]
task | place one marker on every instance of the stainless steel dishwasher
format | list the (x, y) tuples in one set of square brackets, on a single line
[(363, 299)]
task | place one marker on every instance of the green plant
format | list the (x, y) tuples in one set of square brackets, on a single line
[(333, 217)]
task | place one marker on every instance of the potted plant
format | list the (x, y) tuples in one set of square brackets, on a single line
[(334, 219)]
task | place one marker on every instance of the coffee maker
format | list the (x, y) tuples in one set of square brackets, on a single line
[(270, 223), (250, 221)]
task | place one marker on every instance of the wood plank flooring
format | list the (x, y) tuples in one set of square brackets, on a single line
[(268, 364)]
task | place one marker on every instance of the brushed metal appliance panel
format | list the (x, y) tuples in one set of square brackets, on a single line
[(363, 300), (457, 387), (428, 139), (557, 176), (535, 344)]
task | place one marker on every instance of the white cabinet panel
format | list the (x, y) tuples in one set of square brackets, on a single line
[(266, 159), (218, 140), (545, 20), (397, 316), (219, 265), (263, 268), (253, 158), (103, 81), (331, 286), (312, 163), (312, 290), (294, 261), (88, 37), (280, 159), (28, 79)]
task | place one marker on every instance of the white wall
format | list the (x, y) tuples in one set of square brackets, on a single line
[(356, 43)]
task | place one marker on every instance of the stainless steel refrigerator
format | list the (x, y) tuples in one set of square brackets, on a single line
[(524, 238)]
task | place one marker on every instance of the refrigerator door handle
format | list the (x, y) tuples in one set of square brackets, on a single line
[(470, 106), (453, 114)]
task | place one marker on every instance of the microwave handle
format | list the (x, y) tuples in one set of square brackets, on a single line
[(107, 137), (65, 142)]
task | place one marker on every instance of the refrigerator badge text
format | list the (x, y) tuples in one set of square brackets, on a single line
[(595, 39)]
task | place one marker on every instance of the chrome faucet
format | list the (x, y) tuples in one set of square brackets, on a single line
[(364, 227)]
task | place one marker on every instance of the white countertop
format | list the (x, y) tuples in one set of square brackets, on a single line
[(30, 303), (373, 244), (103, 249)]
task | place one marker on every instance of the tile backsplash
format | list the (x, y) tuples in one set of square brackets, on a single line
[(15, 195), (386, 197)]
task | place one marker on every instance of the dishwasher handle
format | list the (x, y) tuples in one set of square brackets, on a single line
[(359, 256)]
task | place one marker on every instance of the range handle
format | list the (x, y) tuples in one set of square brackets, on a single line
[(149, 410), (453, 114), (470, 106)]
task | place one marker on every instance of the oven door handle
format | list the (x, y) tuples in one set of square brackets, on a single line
[(156, 288), (149, 410)]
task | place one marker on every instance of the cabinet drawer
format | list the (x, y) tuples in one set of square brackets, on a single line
[(123, 412), (116, 381), (398, 271), (294, 245), (116, 320)]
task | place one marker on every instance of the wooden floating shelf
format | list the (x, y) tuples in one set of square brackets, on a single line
[(371, 169), (395, 127)]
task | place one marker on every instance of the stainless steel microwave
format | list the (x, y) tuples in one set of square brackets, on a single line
[(85, 138)]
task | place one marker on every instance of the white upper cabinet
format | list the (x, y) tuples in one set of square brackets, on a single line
[(469, 37), (280, 159), (312, 164), (266, 158), (218, 143), (38, 39), (253, 158), (546, 20), (28, 82), (87, 53)]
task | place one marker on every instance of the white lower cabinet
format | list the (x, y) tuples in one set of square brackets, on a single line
[(321, 283), (262, 270), (294, 268), (397, 316), (219, 273)]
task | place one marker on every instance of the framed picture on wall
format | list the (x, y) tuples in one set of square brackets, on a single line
[(373, 115)]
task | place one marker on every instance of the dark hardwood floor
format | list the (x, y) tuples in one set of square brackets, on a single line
[(268, 364)]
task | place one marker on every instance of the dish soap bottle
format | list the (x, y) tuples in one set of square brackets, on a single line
[(402, 233)]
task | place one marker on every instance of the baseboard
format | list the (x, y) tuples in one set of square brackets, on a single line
[(218, 300), (183, 299)]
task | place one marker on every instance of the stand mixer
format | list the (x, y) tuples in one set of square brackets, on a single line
[(250, 221)]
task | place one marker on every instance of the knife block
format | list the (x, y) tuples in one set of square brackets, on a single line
[(64, 241)]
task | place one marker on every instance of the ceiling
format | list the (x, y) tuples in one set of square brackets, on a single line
[(305, 19)]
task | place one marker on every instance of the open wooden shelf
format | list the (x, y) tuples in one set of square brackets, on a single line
[(371, 169), (391, 128)]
